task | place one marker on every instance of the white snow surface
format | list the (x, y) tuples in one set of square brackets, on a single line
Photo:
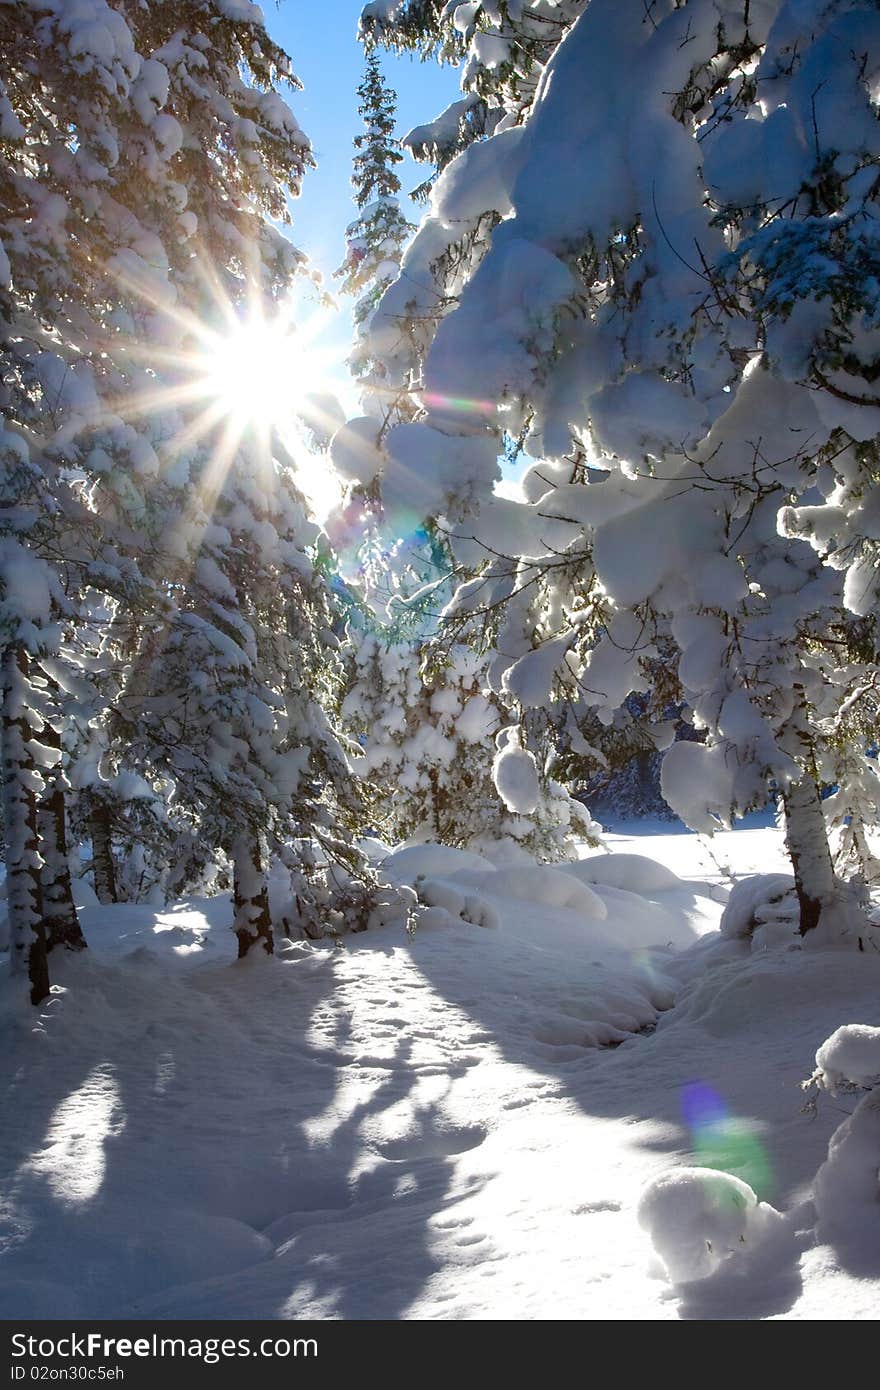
[(461, 1124)]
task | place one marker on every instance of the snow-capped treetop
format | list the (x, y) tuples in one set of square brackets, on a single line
[(375, 240)]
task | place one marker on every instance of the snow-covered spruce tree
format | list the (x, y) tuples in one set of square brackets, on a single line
[(145, 152), (374, 248), (33, 605), (251, 750), (615, 761), (502, 50), (852, 813), (413, 703), (424, 729), (28, 591), (375, 240), (419, 699), (404, 697), (630, 273)]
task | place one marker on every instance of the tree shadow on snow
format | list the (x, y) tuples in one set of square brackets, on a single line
[(766, 1284), (220, 1141), (717, 1084)]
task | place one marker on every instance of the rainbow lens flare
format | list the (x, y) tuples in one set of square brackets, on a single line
[(460, 404), (720, 1140)]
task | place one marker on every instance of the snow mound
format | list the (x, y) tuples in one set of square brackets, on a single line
[(454, 900), (638, 922), (178, 1246), (542, 884), (419, 861), (455, 879), (633, 872), (37, 1299), (764, 908), (699, 1219)]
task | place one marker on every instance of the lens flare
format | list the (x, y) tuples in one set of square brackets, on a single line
[(460, 405), (242, 369), (721, 1140)]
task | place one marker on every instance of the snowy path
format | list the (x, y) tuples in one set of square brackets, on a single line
[(418, 1130)]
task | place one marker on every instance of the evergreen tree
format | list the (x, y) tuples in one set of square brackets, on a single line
[(375, 240), (678, 295), (142, 166)]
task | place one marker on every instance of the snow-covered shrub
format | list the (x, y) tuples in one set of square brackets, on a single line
[(846, 1189), (699, 1220), (849, 1059), (763, 909)]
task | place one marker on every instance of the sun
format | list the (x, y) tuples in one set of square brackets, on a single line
[(270, 379), (257, 372)]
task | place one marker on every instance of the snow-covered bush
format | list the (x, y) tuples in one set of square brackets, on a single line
[(428, 757), (762, 909), (846, 1189), (633, 872), (700, 1220)]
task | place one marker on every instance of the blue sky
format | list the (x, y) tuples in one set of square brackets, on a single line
[(322, 42)]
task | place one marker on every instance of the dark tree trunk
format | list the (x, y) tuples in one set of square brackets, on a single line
[(27, 932), (59, 910), (253, 920), (436, 805), (102, 853)]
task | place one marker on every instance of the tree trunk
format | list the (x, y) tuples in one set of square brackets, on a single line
[(866, 861), (102, 853), (59, 910), (806, 834), (21, 780), (806, 840), (253, 920), (436, 805)]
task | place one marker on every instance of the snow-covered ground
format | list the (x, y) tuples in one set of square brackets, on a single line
[(457, 1125)]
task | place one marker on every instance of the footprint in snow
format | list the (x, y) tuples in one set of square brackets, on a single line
[(432, 1143)]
